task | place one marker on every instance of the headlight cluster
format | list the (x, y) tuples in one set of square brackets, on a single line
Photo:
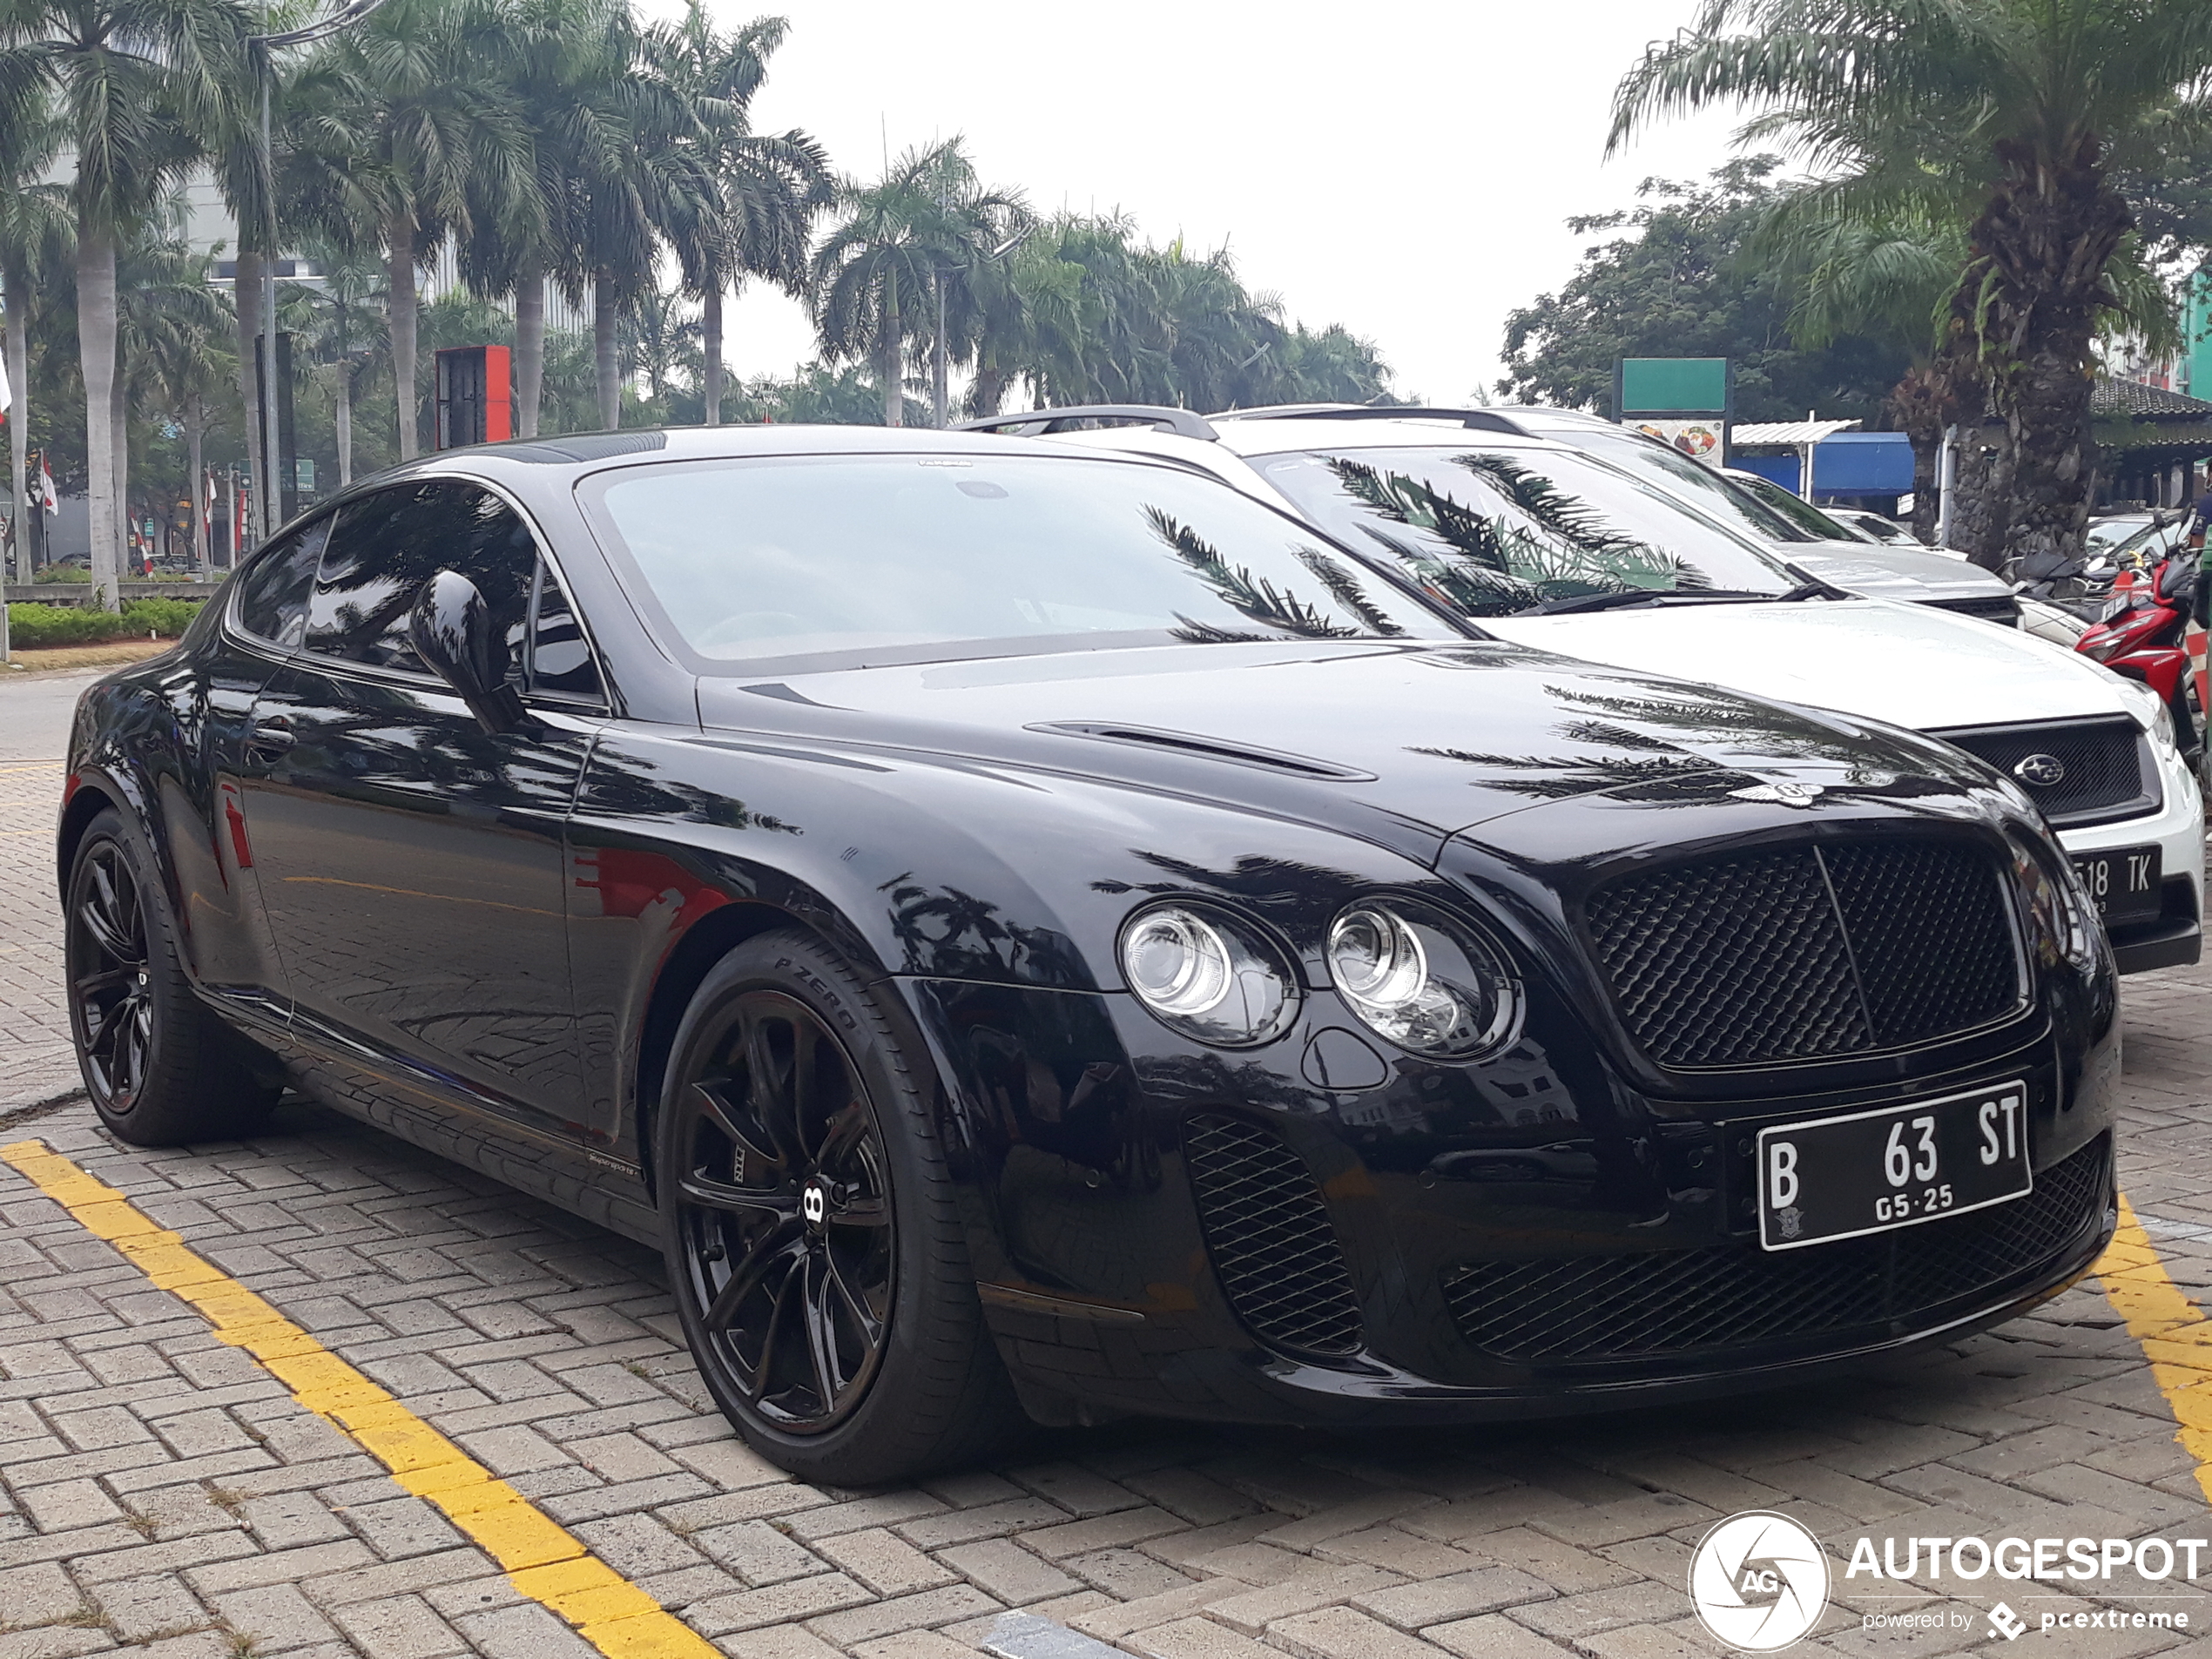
[(1419, 979), (2152, 711), (1208, 975)]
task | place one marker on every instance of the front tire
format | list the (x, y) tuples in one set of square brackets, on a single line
[(161, 1068), (810, 1231)]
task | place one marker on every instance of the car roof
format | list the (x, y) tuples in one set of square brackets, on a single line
[(537, 463), (1268, 437)]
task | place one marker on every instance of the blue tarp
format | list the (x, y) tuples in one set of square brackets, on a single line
[(1851, 464)]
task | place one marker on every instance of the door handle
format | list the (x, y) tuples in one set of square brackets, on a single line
[(270, 738)]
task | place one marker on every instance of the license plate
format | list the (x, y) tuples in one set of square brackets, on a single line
[(2124, 882), (1843, 1177)]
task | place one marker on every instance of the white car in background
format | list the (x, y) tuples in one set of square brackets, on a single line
[(1876, 527), (1797, 531), (1561, 549)]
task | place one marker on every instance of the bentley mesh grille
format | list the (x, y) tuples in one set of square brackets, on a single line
[(1273, 1249), (2107, 774), (1592, 1309), (1803, 951)]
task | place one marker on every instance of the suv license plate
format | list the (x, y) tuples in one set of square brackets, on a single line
[(1843, 1177), (2124, 882)]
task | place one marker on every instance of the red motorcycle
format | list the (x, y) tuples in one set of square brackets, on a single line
[(2143, 635)]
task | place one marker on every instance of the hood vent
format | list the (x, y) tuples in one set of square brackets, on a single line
[(1187, 743)]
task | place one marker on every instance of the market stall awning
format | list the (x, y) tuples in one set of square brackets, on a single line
[(1794, 433)]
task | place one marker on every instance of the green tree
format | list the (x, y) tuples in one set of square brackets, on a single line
[(406, 102), (767, 189), (34, 245), (627, 151), (137, 83), (877, 274), (1673, 280), (2055, 95)]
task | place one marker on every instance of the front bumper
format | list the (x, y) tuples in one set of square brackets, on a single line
[(2174, 937), (1107, 1279)]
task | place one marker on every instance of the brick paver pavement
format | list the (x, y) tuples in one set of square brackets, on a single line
[(36, 1062), (159, 1491)]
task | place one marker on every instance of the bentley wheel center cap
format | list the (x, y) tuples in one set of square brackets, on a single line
[(2043, 771), (814, 1203)]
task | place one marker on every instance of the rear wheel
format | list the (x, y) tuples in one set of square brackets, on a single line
[(810, 1231), (161, 1068)]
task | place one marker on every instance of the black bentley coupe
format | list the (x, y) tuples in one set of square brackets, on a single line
[(1034, 933)]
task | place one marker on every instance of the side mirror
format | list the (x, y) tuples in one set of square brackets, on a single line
[(451, 632)]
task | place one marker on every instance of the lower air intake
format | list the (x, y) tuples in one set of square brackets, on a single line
[(1589, 1309), (1273, 1249)]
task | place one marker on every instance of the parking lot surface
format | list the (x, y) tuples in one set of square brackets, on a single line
[(168, 1485)]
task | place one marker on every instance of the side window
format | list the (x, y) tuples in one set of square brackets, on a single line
[(387, 545), (560, 661), (272, 589)]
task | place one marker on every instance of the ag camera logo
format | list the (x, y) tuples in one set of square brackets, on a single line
[(1759, 1581)]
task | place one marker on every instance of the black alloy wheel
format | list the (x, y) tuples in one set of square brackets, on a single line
[(110, 990), (161, 1067), (811, 1229), (784, 1203)]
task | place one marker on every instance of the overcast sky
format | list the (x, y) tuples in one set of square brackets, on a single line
[(1402, 168)]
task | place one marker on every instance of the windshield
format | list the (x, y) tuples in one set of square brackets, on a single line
[(1882, 530), (1815, 524), (1498, 533), (2108, 530), (843, 561), (1723, 498)]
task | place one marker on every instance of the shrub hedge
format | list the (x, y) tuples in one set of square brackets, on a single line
[(50, 573), (31, 626)]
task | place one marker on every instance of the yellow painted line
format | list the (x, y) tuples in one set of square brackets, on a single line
[(2176, 1339), (542, 1559)]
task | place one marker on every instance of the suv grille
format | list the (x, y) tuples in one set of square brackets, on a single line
[(2108, 771), (1807, 951), (1268, 1231), (1591, 1308)]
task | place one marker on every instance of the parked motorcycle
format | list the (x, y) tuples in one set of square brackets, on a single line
[(2142, 633)]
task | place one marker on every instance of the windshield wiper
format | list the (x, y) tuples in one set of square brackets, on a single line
[(1669, 596)]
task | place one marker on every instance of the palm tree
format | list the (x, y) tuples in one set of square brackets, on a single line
[(913, 234), (34, 240), (768, 189), (548, 53), (167, 321), (137, 83), (344, 317), (2053, 94), (175, 331), (625, 151), (405, 103)]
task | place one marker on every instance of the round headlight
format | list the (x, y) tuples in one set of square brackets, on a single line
[(1208, 975), (1421, 980)]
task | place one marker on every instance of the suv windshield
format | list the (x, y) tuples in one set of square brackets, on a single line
[(1724, 498), (1815, 524), (1494, 533), (845, 561)]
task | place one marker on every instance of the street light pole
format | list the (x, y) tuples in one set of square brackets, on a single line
[(940, 389), (265, 468)]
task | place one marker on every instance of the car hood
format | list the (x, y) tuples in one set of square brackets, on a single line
[(1908, 665), (1889, 572), (1400, 743)]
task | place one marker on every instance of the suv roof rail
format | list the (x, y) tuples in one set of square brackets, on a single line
[(1481, 420), (1031, 422)]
